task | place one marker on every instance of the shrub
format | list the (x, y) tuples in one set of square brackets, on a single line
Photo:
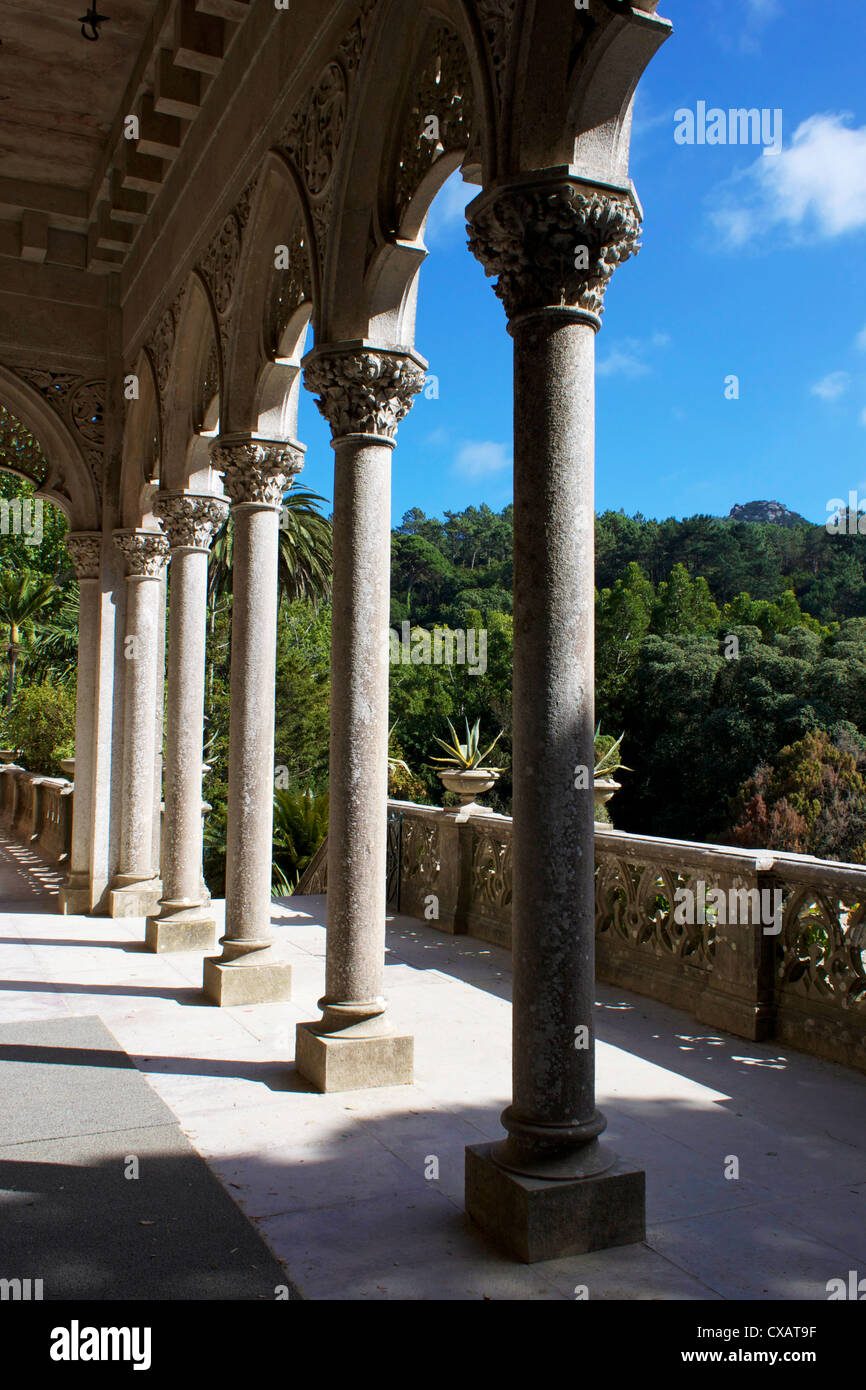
[(41, 724)]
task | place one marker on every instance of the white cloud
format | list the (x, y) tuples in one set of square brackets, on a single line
[(860, 340), (815, 189), (482, 458), (832, 386), (630, 357), (863, 422), (762, 11)]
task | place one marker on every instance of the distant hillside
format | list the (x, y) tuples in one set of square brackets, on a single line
[(773, 512)]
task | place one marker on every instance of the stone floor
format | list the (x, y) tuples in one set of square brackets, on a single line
[(339, 1186)]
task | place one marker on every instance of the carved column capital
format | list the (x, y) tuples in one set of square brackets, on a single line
[(554, 243), (257, 470), (146, 552), (85, 551), (191, 520), (364, 390)]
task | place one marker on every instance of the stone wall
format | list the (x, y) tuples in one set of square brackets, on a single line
[(798, 976)]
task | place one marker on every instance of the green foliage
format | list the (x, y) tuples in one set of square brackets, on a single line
[(463, 757), (41, 724), (300, 826), (812, 801)]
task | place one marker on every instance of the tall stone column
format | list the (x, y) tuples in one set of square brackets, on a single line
[(135, 890), (184, 921), (85, 550), (551, 1188), (256, 474), (363, 393)]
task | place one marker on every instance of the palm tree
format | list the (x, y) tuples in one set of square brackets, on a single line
[(23, 594), (54, 652), (305, 551)]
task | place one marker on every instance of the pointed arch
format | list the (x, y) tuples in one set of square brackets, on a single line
[(68, 480), (139, 475), (185, 456), (276, 291)]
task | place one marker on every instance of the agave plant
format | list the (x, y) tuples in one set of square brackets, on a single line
[(468, 755), (608, 764)]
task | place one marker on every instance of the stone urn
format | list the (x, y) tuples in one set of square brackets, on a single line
[(68, 765), (8, 755), (603, 789), (469, 784)]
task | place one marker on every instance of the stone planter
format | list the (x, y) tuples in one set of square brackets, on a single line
[(9, 755), (603, 789), (469, 784), (68, 765)]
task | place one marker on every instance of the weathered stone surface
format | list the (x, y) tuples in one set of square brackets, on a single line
[(538, 1220), (353, 1064)]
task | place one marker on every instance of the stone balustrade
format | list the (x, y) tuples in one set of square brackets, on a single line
[(37, 810), (771, 946)]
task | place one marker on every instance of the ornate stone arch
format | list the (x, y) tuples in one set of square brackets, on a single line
[(139, 477), (277, 286), (185, 452), (422, 109), (63, 414)]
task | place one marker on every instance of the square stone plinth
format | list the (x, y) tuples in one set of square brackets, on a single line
[(353, 1064), (73, 902), (226, 983), (180, 934), (535, 1219), (136, 900)]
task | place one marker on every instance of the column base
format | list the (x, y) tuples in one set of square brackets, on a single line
[(74, 898), (353, 1063), (135, 899), (534, 1219), (180, 932), (228, 983)]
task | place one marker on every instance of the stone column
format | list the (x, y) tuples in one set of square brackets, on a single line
[(363, 393), (85, 550), (256, 474), (184, 921), (551, 1188), (135, 890)]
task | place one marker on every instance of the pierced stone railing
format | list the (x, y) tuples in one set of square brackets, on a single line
[(799, 976), (37, 810)]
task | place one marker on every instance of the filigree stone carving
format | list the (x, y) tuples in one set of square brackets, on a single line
[(191, 520), (553, 244), (313, 134), (80, 403), (85, 551), (160, 345), (146, 552), (220, 262), (290, 288), (442, 89), (257, 471), (323, 128), (20, 451), (491, 874), (421, 855), (364, 392), (497, 20), (822, 946)]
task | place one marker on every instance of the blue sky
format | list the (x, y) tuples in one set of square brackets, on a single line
[(752, 265)]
